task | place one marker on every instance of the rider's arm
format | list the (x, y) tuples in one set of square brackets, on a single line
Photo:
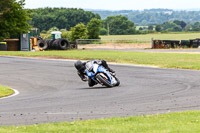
[(89, 74)]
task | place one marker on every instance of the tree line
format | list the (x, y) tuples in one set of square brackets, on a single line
[(65, 18), (152, 16), (172, 26), (80, 24), (62, 18)]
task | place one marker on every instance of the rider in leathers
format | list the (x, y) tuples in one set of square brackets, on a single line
[(80, 66)]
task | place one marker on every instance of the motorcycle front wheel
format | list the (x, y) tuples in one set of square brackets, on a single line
[(103, 80), (118, 82)]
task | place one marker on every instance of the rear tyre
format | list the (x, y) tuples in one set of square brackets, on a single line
[(103, 80)]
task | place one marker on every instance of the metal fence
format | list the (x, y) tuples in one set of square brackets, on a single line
[(114, 43)]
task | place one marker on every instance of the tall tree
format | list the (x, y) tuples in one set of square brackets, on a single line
[(13, 18), (170, 26), (180, 23), (196, 26), (93, 28), (119, 25), (79, 32), (158, 27), (150, 27)]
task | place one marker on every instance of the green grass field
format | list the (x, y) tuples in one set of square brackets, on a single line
[(157, 36), (163, 60), (5, 91), (182, 122), (161, 36)]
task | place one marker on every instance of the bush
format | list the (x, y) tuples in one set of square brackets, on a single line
[(47, 36), (67, 35), (44, 31), (63, 30), (103, 31), (164, 31), (52, 29), (151, 31), (93, 28), (79, 32)]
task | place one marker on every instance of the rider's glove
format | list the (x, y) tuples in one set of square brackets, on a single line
[(84, 79), (82, 76)]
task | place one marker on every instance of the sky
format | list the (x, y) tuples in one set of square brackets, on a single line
[(115, 4)]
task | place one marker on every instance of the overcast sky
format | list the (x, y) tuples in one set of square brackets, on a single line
[(115, 4)]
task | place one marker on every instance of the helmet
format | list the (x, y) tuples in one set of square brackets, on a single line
[(79, 65)]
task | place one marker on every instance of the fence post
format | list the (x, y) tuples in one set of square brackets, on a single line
[(152, 43), (76, 44)]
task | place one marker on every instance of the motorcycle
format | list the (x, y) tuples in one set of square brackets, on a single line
[(101, 75)]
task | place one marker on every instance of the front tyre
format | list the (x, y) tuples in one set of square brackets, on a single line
[(118, 82), (104, 80)]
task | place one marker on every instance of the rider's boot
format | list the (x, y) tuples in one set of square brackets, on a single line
[(110, 70), (104, 63)]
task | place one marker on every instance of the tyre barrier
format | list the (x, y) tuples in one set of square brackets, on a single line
[(57, 44), (43, 44)]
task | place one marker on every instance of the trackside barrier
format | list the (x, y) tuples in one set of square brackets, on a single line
[(162, 44), (3, 46)]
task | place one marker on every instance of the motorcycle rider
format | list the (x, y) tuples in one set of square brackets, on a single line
[(80, 66)]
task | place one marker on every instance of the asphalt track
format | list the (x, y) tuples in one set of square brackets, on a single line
[(51, 91)]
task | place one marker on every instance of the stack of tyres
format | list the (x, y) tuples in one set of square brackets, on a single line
[(50, 44), (43, 44), (61, 44), (56, 44)]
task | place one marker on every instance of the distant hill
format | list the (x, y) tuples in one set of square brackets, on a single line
[(153, 16)]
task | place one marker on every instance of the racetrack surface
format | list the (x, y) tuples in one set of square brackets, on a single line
[(51, 91)]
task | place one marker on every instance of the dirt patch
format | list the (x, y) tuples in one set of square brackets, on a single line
[(49, 57), (116, 46)]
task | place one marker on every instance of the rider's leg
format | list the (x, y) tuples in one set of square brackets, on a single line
[(104, 63)]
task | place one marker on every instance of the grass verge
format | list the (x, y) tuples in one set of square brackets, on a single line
[(182, 122), (5, 91), (163, 60), (158, 36)]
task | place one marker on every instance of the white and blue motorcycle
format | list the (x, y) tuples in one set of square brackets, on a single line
[(101, 75)]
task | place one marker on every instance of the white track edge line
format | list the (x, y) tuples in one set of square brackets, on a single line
[(16, 92)]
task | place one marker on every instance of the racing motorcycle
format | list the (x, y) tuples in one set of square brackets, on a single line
[(101, 75)]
